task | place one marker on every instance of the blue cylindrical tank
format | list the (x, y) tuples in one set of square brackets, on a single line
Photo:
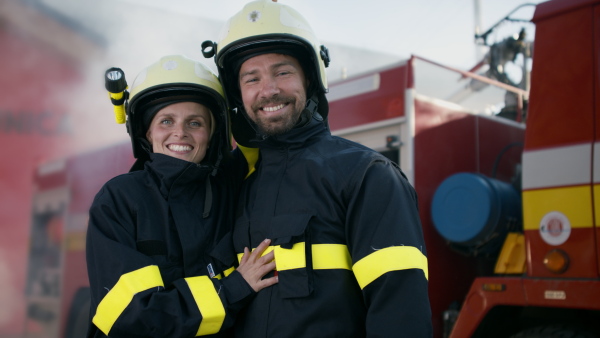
[(474, 212)]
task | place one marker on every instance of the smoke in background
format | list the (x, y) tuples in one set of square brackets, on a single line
[(127, 36)]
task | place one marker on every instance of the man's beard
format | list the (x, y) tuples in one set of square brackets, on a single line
[(279, 124)]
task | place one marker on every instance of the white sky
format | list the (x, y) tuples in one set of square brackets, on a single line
[(441, 30)]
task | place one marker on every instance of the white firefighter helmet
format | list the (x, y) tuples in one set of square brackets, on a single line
[(173, 79)]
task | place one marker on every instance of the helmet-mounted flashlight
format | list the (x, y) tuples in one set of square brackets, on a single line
[(115, 83)]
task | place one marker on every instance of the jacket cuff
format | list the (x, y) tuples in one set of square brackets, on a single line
[(237, 289)]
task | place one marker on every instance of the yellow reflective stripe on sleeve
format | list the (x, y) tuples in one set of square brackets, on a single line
[(251, 155), (119, 297), (209, 304), (324, 256), (331, 256), (389, 259)]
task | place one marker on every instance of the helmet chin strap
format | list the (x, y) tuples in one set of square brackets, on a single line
[(309, 112)]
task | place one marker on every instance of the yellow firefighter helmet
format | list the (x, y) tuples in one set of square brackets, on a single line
[(262, 27), (175, 78)]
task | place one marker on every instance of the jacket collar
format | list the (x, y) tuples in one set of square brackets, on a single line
[(169, 171), (297, 137)]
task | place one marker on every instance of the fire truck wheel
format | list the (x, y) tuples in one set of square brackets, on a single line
[(555, 331), (79, 313)]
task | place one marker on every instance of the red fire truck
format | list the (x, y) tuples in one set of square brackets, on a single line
[(506, 194), (553, 260), (507, 202), (57, 292)]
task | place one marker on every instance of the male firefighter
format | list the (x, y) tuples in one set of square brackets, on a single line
[(343, 219)]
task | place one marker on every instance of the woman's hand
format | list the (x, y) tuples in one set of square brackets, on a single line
[(253, 266)]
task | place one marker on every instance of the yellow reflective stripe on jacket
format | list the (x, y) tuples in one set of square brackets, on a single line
[(226, 273), (251, 155), (288, 259), (389, 259), (229, 271), (324, 256), (331, 256), (209, 304), (119, 297)]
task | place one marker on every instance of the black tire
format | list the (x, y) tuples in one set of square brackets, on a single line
[(79, 314), (555, 331)]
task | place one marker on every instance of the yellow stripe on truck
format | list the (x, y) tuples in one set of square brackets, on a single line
[(574, 202), (597, 203)]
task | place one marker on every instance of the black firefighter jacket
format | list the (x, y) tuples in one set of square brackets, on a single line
[(154, 238), (347, 236)]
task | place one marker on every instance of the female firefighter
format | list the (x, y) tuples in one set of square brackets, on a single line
[(159, 254)]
